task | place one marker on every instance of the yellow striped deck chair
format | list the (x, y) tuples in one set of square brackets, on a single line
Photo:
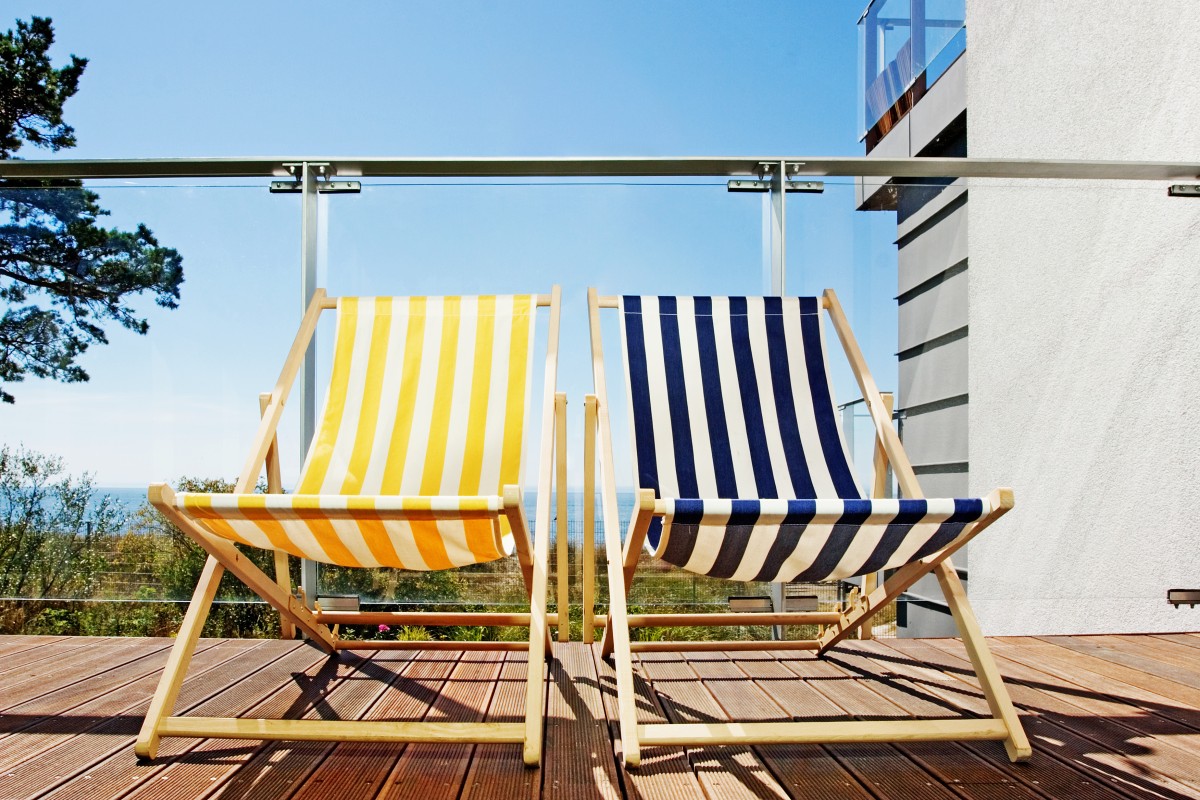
[(415, 464)]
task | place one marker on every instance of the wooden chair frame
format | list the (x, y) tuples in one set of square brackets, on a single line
[(223, 555), (1004, 724)]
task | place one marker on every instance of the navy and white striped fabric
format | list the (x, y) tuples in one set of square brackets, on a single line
[(734, 424)]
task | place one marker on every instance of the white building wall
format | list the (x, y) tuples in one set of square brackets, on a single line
[(1084, 303)]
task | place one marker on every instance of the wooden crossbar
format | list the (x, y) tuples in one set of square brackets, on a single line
[(749, 618), (320, 730), (433, 644), (738, 645), (742, 733), (425, 618)]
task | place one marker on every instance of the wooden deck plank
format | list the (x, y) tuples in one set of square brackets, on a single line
[(1149, 693), (1122, 753), (11, 643), (107, 683), (953, 763), (1108, 668), (1110, 717), (1181, 639), (1134, 658), (739, 697), (1052, 769), (280, 768), (1183, 660), (1066, 668), (209, 764), (883, 768), (437, 771), (173, 773), (723, 772), (86, 741), (1128, 714), (338, 689), (34, 680), (92, 753), (803, 771), (579, 757), (359, 769), (665, 773), (497, 771), (67, 654), (33, 652), (47, 721)]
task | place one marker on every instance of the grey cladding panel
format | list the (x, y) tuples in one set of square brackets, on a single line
[(927, 623), (934, 249), (946, 484), (894, 145), (937, 437), (944, 101), (935, 375), (932, 313)]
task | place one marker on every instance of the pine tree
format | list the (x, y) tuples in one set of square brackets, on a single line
[(62, 274)]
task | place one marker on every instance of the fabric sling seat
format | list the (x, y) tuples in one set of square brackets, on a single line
[(743, 474), (374, 484), (415, 465)]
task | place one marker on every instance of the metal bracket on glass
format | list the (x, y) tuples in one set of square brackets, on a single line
[(325, 184), (1184, 190), (809, 187), (323, 187)]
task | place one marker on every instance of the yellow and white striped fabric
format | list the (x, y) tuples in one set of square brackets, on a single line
[(422, 427)]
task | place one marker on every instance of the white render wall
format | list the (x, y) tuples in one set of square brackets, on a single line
[(1084, 317)]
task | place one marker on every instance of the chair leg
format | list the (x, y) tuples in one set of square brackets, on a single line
[(534, 562), (540, 650), (1017, 743), (638, 527), (616, 632), (181, 655)]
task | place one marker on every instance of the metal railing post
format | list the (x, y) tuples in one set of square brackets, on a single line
[(774, 227), (775, 206), (309, 222)]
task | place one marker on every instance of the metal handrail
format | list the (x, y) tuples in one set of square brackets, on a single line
[(601, 166)]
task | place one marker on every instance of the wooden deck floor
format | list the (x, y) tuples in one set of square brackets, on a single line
[(1109, 716)]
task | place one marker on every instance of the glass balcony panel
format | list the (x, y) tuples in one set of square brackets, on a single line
[(886, 54), (691, 237), (901, 42), (182, 401), (179, 404), (945, 34)]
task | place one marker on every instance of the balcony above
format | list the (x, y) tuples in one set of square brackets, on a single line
[(905, 46)]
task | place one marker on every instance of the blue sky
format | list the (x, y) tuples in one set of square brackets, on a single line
[(437, 79)]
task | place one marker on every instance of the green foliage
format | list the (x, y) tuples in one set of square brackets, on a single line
[(33, 91), (176, 561), (49, 526), (394, 585), (61, 274), (47, 551)]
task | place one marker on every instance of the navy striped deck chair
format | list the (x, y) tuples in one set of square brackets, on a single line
[(743, 473)]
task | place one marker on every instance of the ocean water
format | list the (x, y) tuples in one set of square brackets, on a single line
[(132, 499)]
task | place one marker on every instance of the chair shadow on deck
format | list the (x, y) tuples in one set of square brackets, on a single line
[(1057, 736), (1102, 736), (1117, 738)]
